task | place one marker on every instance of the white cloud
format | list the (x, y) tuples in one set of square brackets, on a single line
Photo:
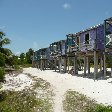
[(66, 6)]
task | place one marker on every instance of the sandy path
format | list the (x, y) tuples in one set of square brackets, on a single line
[(100, 90)]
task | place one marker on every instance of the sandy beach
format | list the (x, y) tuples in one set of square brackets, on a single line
[(99, 90)]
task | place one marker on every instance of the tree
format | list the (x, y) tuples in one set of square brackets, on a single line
[(28, 56), (3, 40), (6, 52), (2, 60), (22, 58)]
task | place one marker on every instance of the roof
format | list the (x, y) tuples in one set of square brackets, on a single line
[(78, 33)]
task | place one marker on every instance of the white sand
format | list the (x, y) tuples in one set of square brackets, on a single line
[(17, 82), (100, 90)]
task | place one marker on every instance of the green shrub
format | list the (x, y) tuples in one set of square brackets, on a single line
[(75, 102), (102, 108), (2, 60), (2, 73)]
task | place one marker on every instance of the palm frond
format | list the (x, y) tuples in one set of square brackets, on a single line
[(6, 51), (2, 34), (5, 41)]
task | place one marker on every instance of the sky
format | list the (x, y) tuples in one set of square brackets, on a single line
[(38, 23)]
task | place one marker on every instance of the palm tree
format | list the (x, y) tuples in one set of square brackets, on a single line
[(3, 41), (5, 51)]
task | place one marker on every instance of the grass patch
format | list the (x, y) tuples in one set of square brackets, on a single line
[(2, 74), (36, 99), (75, 102)]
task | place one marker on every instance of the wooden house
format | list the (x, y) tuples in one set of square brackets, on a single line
[(108, 33)]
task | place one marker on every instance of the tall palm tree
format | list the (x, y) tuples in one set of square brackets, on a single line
[(3, 41), (5, 51)]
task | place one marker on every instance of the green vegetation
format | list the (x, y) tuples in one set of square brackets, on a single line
[(75, 102), (36, 99), (9, 60), (2, 74)]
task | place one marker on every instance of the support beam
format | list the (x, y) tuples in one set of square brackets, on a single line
[(88, 65), (101, 64), (68, 63), (74, 65), (60, 64), (85, 65), (104, 66), (41, 65), (65, 64), (111, 71), (44, 64), (55, 61), (95, 64)]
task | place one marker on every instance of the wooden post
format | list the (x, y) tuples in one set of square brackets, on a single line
[(38, 64), (44, 64), (111, 71), (74, 65), (55, 64), (68, 62), (85, 65), (88, 65), (60, 64), (95, 64), (104, 59), (101, 63), (41, 64), (65, 63)]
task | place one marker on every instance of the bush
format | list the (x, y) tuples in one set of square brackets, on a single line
[(102, 108), (76, 102), (2, 73), (2, 60)]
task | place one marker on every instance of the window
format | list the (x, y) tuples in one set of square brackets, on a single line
[(78, 41), (87, 38)]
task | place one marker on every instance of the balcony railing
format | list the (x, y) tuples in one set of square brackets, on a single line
[(90, 46)]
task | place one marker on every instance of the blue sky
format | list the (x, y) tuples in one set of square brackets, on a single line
[(37, 23)]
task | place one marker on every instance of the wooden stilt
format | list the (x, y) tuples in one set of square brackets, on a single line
[(41, 64), (111, 71), (55, 64), (95, 64), (104, 59), (74, 65), (68, 63), (88, 65), (85, 65), (45, 64), (65, 67), (101, 63), (60, 64)]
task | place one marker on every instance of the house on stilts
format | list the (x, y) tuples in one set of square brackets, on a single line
[(93, 43)]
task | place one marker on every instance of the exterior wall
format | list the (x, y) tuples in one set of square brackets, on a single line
[(38, 55), (63, 48), (47, 53), (69, 44), (109, 37), (100, 38), (92, 37)]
